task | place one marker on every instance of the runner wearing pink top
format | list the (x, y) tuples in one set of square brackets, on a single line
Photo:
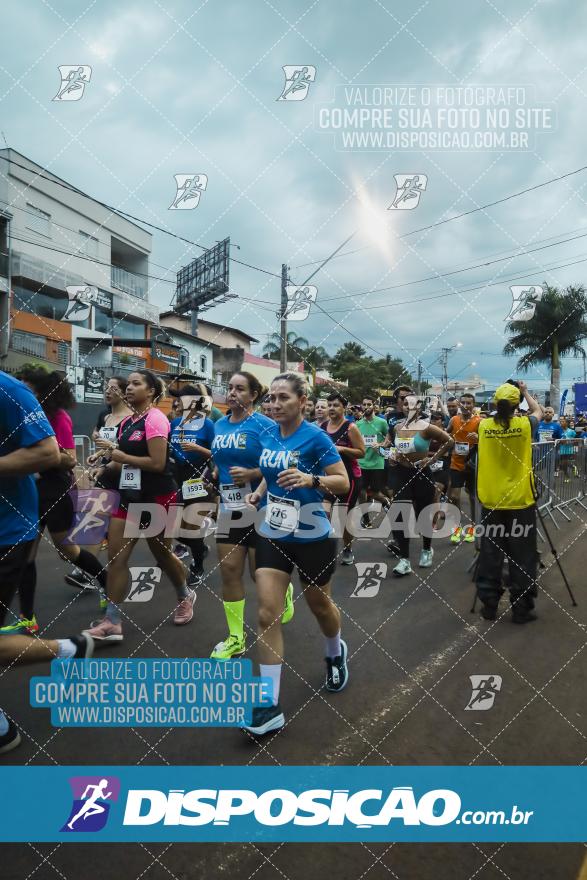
[(139, 462)]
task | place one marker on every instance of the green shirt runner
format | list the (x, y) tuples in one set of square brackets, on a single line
[(374, 432)]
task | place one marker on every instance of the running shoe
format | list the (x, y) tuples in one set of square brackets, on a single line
[(392, 547), (22, 627), (265, 719), (185, 610), (456, 534), (337, 672), (230, 647), (426, 558), (11, 739), (195, 574), (402, 568), (80, 579), (470, 535), (488, 612), (84, 646), (104, 631), (366, 522), (288, 608), (348, 557), (181, 551)]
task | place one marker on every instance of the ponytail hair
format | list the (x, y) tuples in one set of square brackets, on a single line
[(257, 389), (504, 414), (154, 383)]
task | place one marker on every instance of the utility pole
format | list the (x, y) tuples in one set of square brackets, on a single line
[(283, 319), (419, 376), (444, 359)]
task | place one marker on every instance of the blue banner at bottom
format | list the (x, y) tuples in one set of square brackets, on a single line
[(295, 803)]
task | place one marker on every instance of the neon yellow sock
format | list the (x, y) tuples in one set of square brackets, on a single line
[(235, 617)]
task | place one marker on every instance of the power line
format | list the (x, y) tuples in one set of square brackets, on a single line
[(468, 213), (62, 183)]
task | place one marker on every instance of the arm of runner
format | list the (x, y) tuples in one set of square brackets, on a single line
[(188, 446), (534, 408), (31, 459), (67, 459), (242, 475), (432, 432), (357, 450), (153, 462), (335, 480), (255, 497)]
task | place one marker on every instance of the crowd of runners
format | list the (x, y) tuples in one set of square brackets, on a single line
[(265, 482)]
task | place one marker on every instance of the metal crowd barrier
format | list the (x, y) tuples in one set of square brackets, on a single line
[(568, 486), (84, 447)]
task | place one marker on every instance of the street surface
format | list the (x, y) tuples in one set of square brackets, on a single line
[(412, 648)]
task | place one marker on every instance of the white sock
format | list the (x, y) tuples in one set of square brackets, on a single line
[(272, 671), (66, 648), (3, 723)]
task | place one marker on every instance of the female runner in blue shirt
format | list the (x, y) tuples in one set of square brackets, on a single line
[(299, 464), (238, 442)]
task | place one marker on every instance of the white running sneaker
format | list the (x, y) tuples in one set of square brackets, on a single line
[(426, 558), (402, 568)]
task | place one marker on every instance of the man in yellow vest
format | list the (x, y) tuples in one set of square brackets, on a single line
[(505, 488)]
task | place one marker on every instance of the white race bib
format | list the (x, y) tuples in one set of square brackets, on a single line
[(370, 440), (193, 489), (462, 448), (544, 436), (233, 497), (436, 466), (282, 514), (384, 452), (405, 445), (130, 477), (108, 434)]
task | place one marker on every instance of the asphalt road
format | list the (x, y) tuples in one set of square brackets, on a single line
[(412, 648)]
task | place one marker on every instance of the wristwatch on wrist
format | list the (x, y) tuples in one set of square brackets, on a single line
[(316, 483)]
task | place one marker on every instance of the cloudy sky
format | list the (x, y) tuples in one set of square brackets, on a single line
[(182, 87)]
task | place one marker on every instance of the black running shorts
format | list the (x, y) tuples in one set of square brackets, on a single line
[(314, 560)]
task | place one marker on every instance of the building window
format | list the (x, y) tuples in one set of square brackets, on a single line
[(28, 343), (128, 329), (89, 244), (203, 363), (37, 220), (63, 357)]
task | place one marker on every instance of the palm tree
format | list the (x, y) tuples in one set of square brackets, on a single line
[(556, 330), (315, 358), (295, 346)]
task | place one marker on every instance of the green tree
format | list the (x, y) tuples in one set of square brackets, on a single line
[(295, 345), (556, 330), (363, 374)]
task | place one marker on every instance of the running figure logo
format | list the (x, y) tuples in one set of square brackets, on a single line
[(143, 583), (299, 301), (524, 301), (80, 302), (370, 575), (74, 78), (297, 82), (93, 508), (189, 189), (484, 690), (409, 188), (92, 796)]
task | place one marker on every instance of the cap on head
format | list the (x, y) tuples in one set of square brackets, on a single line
[(508, 392)]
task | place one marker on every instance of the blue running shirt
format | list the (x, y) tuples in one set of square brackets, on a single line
[(238, 444)]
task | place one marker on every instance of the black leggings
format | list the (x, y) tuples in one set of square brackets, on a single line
[(415, 487)]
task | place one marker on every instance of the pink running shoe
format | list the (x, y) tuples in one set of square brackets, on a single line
[(105, 631), (185, 610)]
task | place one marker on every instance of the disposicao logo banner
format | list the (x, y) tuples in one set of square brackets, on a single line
[(300, 804)]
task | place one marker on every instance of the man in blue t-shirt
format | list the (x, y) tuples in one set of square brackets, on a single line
[(27, 445), (547, 428)]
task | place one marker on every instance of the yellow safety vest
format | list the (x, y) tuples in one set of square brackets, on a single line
[(505, 480)]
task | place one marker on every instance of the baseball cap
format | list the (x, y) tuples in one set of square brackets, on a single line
[(508, 392)]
